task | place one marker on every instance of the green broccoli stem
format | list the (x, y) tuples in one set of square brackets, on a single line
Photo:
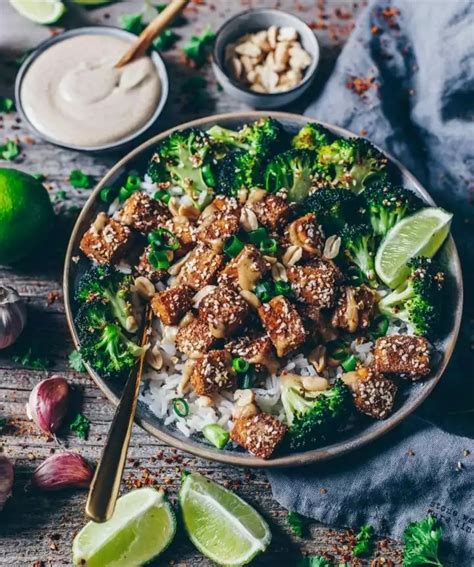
[(397, 297), (226, 136), (111, 341)]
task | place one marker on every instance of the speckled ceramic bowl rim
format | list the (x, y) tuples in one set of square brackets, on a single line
[(244, 459), (309, 72), (95, 30)]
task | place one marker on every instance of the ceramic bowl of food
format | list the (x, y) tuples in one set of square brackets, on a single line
[(88, 111), (162, 410), (279, 72)]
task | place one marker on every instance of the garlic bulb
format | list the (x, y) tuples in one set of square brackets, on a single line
[(64, 470), (6, 480), (48, 403), (12, 316)]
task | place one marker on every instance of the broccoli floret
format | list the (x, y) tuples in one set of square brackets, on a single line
[(239, 169), (104, 345), (292, 170), (187, 157), (312, 418), (352, 162), (333, 207), (358, 245), (417, 301), (112, 287), (387, 204), (261, 138), (311, 137)]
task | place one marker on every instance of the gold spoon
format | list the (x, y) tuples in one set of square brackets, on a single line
[(156, 26), (105, 485)]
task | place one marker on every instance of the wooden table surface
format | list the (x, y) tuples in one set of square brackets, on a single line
[(38, 529)]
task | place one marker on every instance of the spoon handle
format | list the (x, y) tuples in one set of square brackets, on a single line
[(156, 26), (105, 485)]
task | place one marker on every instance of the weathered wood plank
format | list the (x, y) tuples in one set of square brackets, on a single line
[(36, 527)]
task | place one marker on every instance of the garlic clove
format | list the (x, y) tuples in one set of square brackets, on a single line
[(12, 316), (64, 470), (6, 480), (48, 402)]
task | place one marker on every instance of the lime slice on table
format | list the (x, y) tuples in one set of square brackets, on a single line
[(421, 234), (141, 527), (220, 524), (40, 11)]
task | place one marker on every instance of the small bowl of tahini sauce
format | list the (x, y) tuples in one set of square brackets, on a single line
[(72, 95)]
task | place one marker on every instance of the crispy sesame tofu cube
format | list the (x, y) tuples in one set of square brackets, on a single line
[(227, 205), (143, 213), (145, 269), (355, 308), (314, 284), (224, 311), (106, 241), (283, 324), (259, 434), (201, 267), (255, 350), (402, 354), (172, 304), (307, 233), (195, 337), (245, 270), (272, 211), (215, 229), (317, 323), (184, 231), (213, 372), (374, 395)]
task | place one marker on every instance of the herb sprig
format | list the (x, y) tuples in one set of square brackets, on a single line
[(364, 541), (76, 362), (196, 49), (297, 523), (30, 359), (6, 104), (421, 541), (81, 426), (9, 150)]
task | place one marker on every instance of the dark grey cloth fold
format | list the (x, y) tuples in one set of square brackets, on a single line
[(420, 108)]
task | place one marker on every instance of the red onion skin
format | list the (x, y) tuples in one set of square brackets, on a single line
[(64, 470), (48, 403), (6, 480)]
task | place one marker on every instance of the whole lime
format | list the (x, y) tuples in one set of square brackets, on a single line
[(26, 215)]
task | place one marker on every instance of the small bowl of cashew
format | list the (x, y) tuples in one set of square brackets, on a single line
[(266, 58)]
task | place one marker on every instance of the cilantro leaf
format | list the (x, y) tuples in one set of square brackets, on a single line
[(30, 359), (421, 543), (76, 362), (6, 104), (165, 40), (80, 425), (79, 180), (297, 523), (364, 541), (196, 48), (314, 561), (132, 23), (10, 150)]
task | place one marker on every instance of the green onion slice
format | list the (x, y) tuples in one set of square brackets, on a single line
[(269, 246), (162, 195), (338, 350), (283, 288), (233, 246), (180, 407), (380, 326), (240, 365), (124, 194), (163, 238), (133, 183), (159, 259), (258, 235), (106, 194), (216, 435), (350, 363), (264, 291)]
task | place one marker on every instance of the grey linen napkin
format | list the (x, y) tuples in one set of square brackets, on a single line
[(418, 61)]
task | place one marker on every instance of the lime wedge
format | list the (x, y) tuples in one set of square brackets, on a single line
[(220, 524), (40, 11), (421, 234), (141, 527)]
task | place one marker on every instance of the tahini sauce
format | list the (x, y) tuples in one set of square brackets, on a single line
[(73, 94)]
